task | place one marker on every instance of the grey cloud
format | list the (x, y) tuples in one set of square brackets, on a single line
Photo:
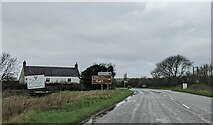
[(133, 36)]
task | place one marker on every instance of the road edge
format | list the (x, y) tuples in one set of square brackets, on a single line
[(104, 111)]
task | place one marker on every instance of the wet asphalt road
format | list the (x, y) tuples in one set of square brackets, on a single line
[(160, 106)]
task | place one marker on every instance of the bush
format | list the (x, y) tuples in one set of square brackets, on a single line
[(49, 87), (13, 85)]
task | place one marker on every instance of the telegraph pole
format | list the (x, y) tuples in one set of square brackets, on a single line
[(197, 70), (125, 79)]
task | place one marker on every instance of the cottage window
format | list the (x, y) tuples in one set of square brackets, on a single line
[(47, 79), (69, 79)]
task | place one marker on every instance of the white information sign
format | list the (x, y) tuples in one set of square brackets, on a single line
[(104, 73), (184, 85), (35, 82)]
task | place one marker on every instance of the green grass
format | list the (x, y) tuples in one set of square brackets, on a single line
[(193, 91), (74, 112), (121, 88), (160, 88)]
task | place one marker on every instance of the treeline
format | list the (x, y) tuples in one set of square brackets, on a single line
[(190, 79), (172, 72)]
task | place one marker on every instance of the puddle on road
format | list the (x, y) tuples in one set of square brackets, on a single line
[(156, 91), (122, 102), (90, 121), (117, 105)]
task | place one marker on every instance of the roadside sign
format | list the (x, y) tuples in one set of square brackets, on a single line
[(101, 79), (184, 85), (144, 86), (104, 73), (35, 82)]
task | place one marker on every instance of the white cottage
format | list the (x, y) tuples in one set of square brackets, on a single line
[(64, 75)]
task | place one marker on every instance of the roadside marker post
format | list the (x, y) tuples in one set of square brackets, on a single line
[(101, 86), (184, 85)]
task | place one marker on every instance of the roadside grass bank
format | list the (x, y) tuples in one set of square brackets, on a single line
[(207, 93), (62, 107)]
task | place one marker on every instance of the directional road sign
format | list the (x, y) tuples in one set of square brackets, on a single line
[(104, 73), (101, 79)]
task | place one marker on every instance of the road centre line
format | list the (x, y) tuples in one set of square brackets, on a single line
[(185, 106), (181, 104)]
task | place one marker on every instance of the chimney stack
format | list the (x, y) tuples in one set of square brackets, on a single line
[(76, 65), (24, 63)]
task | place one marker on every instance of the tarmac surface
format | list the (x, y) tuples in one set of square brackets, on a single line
[(160, 106)]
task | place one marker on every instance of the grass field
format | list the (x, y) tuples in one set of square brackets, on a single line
[(62, 107)]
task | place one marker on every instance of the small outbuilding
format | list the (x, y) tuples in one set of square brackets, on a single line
[(63, 75)]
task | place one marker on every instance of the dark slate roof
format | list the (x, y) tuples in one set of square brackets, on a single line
[(51, 71)]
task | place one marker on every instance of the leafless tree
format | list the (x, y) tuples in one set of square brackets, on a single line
[(173, 66), (9, 67), (205, 70)]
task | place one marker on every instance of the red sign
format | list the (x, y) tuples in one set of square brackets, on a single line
[(101, 79)]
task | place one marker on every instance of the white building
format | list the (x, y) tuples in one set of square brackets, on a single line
[(64, 75)]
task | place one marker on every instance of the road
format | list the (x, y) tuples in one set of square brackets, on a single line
[(160, 106)]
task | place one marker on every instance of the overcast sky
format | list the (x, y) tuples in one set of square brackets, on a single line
[(132, 36)]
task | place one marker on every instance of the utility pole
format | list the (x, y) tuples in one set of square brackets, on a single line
[(194, 70), (125, 79), (197, 70), (211, 77)]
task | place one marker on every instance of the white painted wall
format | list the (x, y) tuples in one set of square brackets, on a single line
[(21, 78), (55, 79)]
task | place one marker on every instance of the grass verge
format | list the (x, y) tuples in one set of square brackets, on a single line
[(66, 106), (193, 91), (207, 93)]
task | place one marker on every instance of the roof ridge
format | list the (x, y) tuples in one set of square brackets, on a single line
[(51, 67), (51, 71)]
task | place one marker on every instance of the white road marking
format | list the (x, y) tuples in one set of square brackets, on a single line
[(185, 106), (171, 98)]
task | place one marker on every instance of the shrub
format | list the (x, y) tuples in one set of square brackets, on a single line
[(13, 85)]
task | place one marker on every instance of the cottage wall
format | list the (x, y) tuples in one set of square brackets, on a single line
[(22, 77), (63, 80), (64, 75), (54, 79)]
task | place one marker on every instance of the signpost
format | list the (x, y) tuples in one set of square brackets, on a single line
[(102, 78), (35, 82), (104, 73)]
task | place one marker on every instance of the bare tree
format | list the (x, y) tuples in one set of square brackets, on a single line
[(205, 70), (9, 67), (173, 66)]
